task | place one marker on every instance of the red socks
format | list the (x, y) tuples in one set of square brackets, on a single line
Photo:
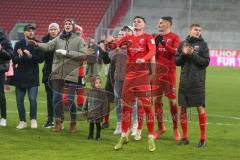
[(106, 119), (149, 116), (159, 114), (174, 113), (149, 119), (126, 118), (183, 120), (140, 112), (202, 125)]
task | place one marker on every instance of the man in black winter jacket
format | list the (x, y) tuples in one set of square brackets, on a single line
[(53, 32), (6, 53), (193, 57), (26, 76)]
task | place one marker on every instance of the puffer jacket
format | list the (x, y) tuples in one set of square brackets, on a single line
[(193, 67)]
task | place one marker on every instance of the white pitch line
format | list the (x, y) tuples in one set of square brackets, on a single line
[(211, 123), (168, 121), (38, 101), (15, 112), (220, 116), (208, 115)]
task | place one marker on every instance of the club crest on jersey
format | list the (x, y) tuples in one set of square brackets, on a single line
[(141, 41), (196, 48)]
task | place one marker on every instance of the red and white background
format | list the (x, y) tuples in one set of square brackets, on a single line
[(224, 57)]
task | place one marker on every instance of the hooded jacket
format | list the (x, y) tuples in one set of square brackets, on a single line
[(7, 51), (193, 68)]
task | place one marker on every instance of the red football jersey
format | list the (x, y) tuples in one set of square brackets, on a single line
[(166, 54), (142, 46)]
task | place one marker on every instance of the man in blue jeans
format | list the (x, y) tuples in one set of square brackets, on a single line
[(26, 76), (69, 50)]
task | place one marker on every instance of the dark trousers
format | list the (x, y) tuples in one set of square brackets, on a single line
[(91, 130), (58, 105), (3, 101), (49, 102), (32, 96)]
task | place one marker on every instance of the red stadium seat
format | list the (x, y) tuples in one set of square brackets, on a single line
[(83, 12)]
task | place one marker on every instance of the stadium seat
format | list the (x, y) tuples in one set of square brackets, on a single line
[(83, 12)]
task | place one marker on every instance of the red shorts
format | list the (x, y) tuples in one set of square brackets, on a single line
[(136, 84), (167, 85)]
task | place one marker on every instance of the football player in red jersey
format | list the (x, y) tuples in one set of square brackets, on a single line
[(166, 43), (141, 49)]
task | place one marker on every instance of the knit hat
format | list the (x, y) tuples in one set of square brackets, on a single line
[(71, 21), (54, 25), (93, 80)]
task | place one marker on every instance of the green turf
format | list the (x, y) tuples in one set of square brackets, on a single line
[(222, 105)]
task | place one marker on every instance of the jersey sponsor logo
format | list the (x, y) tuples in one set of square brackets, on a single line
[(136, 49), (130, 41), (152, 41), (160, 49)]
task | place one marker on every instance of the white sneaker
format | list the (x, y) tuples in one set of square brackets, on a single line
[(138, 136), (134, 129), (34, 123), (62, 124), (118, 129), (3, 122), (22, 125)]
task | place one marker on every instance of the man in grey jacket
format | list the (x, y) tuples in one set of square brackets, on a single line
[(69, 50)]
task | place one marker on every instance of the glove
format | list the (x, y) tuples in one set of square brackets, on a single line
[(159, 39), (90, 51), (61, 51)]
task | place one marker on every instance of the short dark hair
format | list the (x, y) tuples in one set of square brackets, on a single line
[(194, 25), (140, 17), (167, 18)]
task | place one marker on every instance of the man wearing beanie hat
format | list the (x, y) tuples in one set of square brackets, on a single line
[(54, 26), (69, 50), (53, 32)]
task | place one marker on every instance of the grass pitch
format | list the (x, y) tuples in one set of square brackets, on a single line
[(223, 128)]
